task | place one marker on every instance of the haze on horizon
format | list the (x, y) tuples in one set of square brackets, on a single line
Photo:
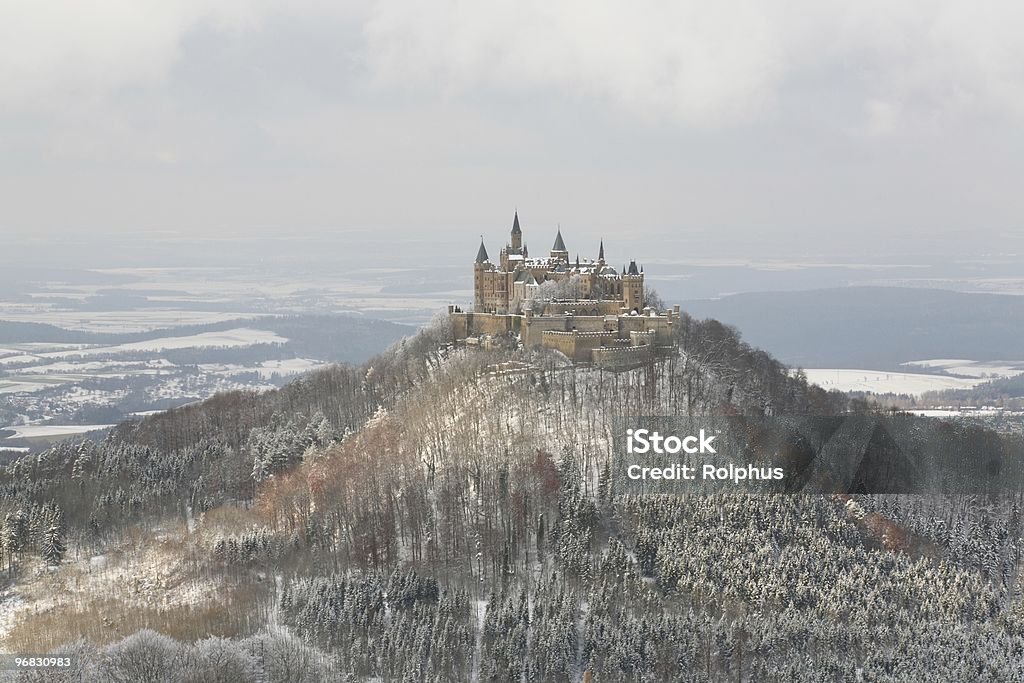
[(815, 127)]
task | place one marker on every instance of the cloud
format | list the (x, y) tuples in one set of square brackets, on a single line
[(83, 48), (709, 63), (691, 60), (695, 62), (56, 52)]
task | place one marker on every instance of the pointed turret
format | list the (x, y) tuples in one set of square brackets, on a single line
[(481, 254), (558, 250), (600, 252), (633, 269), (559, 242), (517, 233)]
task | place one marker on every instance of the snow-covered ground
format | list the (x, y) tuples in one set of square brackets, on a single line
[(284, 368), (143, 320), (956, 412), (20, 386), (38, 430), (238, 337), (879, 382), (971, 368)]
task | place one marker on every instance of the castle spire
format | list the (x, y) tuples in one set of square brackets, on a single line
[(517, 234), (559, 242), (481, 254), (600, 253)]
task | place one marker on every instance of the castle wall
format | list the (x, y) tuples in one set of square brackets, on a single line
[(584, 307), (661, 325), (534, 327), (476, 324), (623, 357), (460, 324), (645, 338), (577, 346)]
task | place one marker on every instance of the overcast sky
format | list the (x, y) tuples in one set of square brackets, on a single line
[(782, 121)]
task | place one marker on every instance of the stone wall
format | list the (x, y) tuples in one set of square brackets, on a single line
[(622, 357), (581, 308), (577, 346), (534, 327), (476, 324), (610, 330)]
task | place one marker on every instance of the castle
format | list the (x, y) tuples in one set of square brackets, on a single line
[(586, 308)]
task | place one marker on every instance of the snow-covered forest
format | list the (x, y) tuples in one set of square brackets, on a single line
[(443, 514)]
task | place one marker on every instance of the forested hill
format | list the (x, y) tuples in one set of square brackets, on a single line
[(447, 514), (205, 453)]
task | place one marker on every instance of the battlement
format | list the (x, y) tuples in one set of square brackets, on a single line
[(581, 335), (622, 357)]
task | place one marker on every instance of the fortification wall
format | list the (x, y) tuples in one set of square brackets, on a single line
[(585, 307), (587, 323), (576, 345), (477, 324), (460, 325), (534, 327), (643, 338), (622, 357), (661, 325)]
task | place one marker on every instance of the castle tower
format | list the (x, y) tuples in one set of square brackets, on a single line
[(479, 266), (517, 233), (600, 254), (633, 288), (558, 250)]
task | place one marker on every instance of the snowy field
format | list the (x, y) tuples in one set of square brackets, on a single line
[(956, 412), (236, 338), (228, 339), (40, 430), (18, 387), (143, 320), (285, 368), (844, 379), (971, 368)]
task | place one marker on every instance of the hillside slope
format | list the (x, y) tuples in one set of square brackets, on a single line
[(441, 514)]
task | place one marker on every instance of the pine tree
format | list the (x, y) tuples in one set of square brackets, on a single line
[(53, 546)]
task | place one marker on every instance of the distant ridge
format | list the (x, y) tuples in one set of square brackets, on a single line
[(873, 327)]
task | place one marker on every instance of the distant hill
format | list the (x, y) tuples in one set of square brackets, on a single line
[(872, 327), (345, 338)]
